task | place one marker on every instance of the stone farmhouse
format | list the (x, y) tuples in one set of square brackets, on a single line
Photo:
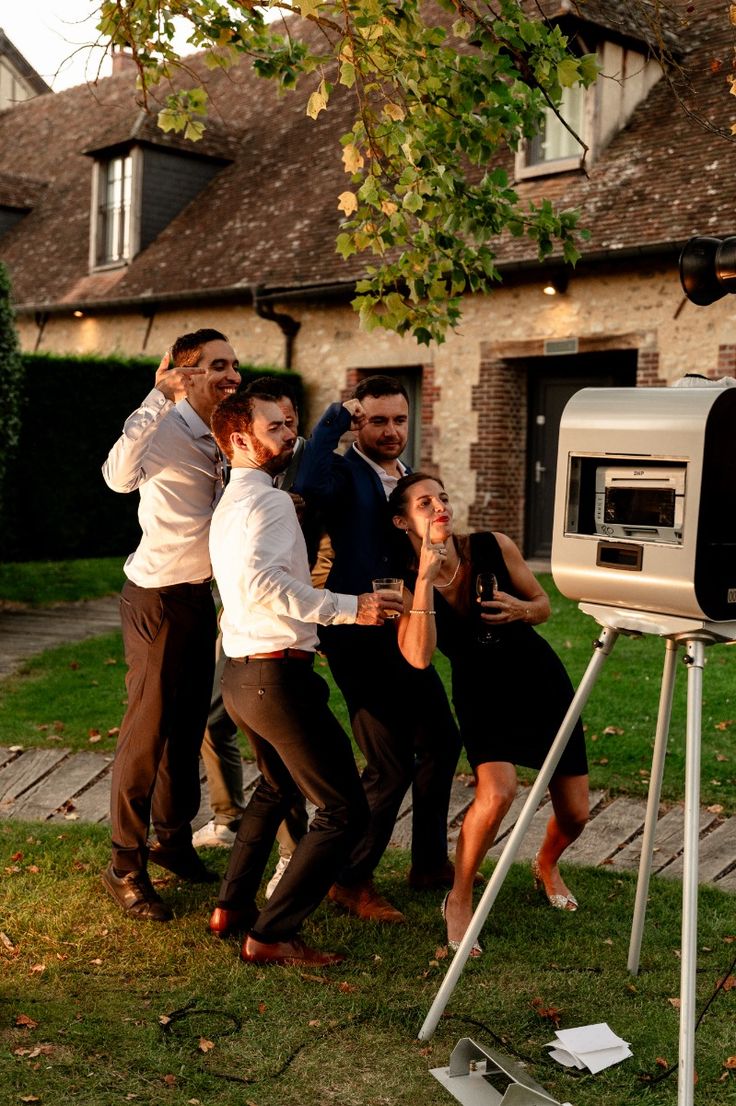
[(118, 237)]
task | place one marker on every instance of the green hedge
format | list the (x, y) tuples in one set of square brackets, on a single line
[(58, 506)]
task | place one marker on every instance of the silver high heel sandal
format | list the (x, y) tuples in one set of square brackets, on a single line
[(453, 946), (560, 902)]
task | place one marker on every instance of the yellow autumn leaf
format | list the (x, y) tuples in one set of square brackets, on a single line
[(316, 103), (352, 159), (205, 1045), (308, 7), (394, 111), (388, 207), (347, 202)]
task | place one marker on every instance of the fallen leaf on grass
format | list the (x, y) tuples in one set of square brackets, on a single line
[(33, 868), (113, 731), (262, 1008), (723, 725), (716, 808), (617, 730), (96, 961), (440, 953), (169, 1080), (674, 1002), (32, 1053), (26, 1022), (314, 978), (729, 940), (7, 943), (720, 757), (550, 1013), (111, 660), (38, 968), (729, 983), (58, 726), (730, 1063), (164, 1019), (205, 1045), (661, 1062), (17, 856), (94, 736), (29, 1098), (347, 988), (315, 1023)]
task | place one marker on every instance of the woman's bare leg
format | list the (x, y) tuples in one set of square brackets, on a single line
[(570, 804), (495, 787)]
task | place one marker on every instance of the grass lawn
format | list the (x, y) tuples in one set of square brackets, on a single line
[(39, 583), (97, 1009), (68, 693)]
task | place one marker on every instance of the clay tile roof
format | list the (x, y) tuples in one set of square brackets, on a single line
[(270, 217), (22, 193)]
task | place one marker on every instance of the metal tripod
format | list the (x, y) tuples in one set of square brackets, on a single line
[(693, 635)]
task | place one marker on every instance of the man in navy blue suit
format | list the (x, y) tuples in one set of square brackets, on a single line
[(400, 716)]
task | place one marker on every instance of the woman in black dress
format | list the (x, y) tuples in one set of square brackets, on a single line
[(510, 693)]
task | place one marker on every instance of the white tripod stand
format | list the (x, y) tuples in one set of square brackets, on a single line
[(693, 635)]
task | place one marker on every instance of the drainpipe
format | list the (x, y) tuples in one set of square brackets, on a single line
[(288, 326), (41, 319)]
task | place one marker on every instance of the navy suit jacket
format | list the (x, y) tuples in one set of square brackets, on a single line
[(353, 504)]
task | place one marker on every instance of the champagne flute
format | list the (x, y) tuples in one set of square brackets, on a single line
[(485, 589)]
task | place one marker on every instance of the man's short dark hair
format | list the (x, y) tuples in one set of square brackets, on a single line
[(275, 387), (187, 349), (379, 385)]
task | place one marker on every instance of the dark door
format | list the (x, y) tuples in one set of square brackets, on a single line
[(552, 381)]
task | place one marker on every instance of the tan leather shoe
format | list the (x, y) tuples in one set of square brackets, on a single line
[(362, 900), (225, 922), (286, 952)]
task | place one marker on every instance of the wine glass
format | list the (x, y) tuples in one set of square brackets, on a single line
[(485, 589)]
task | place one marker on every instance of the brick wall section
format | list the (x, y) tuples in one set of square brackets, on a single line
[(726, 361), (647, 370), (498, 455), (431, 393)]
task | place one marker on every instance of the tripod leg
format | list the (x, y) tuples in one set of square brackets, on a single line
[(689, 949), (655, 788), (602, 650)]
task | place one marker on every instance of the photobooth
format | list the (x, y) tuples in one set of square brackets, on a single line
[(645, 541)]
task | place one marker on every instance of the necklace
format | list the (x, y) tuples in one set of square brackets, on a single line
[(452, 578)]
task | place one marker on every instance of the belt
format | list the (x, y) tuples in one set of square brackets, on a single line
[(277, 655)]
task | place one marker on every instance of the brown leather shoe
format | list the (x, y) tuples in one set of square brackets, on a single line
[(225, 922), (362, 900), (286, 952), (135, 894)]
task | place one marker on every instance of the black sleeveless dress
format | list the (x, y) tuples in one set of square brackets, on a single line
[(509, 697)]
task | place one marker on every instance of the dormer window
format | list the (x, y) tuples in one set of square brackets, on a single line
[(114, 211), (137, 190)]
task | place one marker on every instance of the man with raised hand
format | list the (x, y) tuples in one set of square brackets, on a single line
[(269, 619), (400, 715), (168, 454)]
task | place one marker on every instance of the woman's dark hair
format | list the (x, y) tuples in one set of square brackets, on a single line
[(397, 499)]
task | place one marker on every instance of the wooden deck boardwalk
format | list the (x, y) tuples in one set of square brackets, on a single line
[(56, 785)]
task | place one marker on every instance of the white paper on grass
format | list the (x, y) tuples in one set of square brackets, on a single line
[(594, 1047)]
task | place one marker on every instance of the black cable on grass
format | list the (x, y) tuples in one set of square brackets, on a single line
[(655, 1079)]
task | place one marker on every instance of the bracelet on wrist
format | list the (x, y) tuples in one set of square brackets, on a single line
[(421, 610)]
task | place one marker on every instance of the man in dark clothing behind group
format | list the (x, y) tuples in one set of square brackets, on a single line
[(400, 715)]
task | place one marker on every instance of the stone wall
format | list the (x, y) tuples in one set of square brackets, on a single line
[(474, 387)]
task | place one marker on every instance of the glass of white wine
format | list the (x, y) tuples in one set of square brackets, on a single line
[(393, 587)]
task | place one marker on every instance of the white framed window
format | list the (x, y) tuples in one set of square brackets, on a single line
[(554, 149), (114, 215), (114, 211)]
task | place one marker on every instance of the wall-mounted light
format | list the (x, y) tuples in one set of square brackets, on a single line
[(78, 314), (556, 285)]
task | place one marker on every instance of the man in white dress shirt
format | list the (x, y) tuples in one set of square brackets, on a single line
[(168, 454), (269, 620)]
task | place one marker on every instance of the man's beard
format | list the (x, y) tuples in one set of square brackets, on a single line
[(272, 463)]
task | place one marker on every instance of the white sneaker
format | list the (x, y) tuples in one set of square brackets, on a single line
[(213, 836), (281, 867)]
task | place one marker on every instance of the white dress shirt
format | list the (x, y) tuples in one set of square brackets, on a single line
[(388, 481), (260, 563), (168, 453)]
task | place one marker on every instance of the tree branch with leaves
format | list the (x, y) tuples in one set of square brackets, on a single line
[(439, 93)]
